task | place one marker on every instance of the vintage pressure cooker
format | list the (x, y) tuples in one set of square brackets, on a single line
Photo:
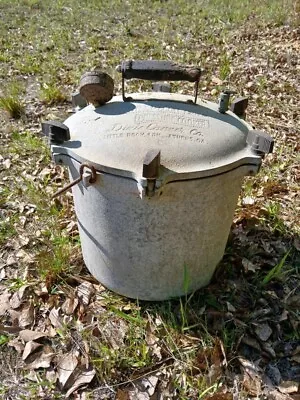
[(155, 178)]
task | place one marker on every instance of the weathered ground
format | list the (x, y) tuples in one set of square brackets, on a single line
[(61, 333)]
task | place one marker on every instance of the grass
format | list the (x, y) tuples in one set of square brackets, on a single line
[(276, 272), (224, 67), (11, 100), (54, 262), (26, 143), (13, 105), (7, 230), (51, 94), (60, 41), (271, 216)]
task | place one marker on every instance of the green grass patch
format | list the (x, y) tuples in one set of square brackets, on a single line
[(7, 230), (11, 100), (54, 261), (276, 272), (13, 105), (52, 94)]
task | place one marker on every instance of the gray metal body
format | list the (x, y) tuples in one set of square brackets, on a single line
[(170, 244)]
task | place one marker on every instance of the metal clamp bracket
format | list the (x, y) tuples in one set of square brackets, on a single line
[(82, 176), (151, 165), (261, 143)]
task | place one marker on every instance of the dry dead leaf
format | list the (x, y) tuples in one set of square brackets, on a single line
[(26, 316), (85, 292), (267, 347), (220, 396), (17, 298), (249, 266), (153, 341), (17, 345), (14, 317), (155, 351), (85, 376), (9, 329), (26, 257), (7, 163), (147, 384), (288, 387), (251, 378), (284, 315), (2, 274), (150, 337), (41, 359), (4, 302), (218, 356), (296, 358), (23, 240), (30, 348), (41, 290), (263, 331), (27, 335), (32, 376), (216, 80), (249, 341), (275, 395), (114, 332), (70, 305), (230, 307), (122, 395), (248, 200), (135, 394), (71, 226), (11, 260), (51, 375), (65, 367), (55, 318)]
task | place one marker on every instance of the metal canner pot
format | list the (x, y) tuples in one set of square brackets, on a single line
[(155, 178)]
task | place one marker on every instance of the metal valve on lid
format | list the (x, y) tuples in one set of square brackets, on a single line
[(224, 100), (96, 87)]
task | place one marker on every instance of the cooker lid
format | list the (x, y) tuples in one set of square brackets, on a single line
[(157, 135), (190, 137)]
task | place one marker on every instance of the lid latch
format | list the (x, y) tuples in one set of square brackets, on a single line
[(56, 131), (261, 143), (239, 106), (151, 165)]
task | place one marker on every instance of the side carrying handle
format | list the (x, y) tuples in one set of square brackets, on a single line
[(91, 179), (160, 71)]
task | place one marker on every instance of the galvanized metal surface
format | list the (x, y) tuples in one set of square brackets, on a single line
[(168, 178), (140, 248), (194, 140)]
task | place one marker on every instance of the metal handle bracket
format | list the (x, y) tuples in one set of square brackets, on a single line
[(158, 70), (82, 176)]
